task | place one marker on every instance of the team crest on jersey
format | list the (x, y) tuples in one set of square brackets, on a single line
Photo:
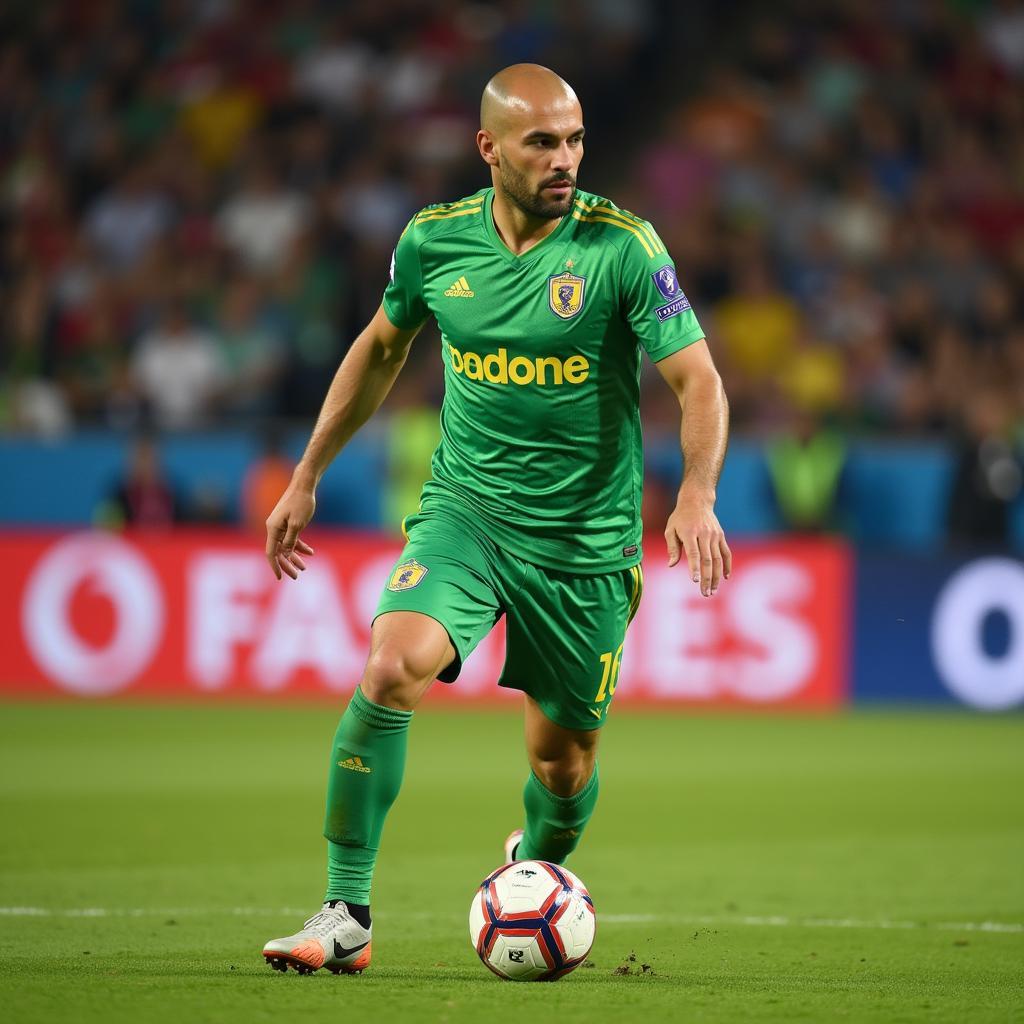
[(565, 294), (407, 575)]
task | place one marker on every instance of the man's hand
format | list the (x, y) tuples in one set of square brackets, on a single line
[(290, 517), (693, 528)]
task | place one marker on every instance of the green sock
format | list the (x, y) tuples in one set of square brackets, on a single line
[(367, 762), (554, 824)]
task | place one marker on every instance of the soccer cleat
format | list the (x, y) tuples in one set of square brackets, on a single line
[(331, 938), (512, 844)]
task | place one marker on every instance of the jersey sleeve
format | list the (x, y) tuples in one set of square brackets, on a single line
[(403, 297), (654, 303)]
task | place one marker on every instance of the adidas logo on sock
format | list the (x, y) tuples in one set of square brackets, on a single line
[(460, 290), (354, 764)]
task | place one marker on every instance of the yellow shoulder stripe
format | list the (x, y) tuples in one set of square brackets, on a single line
[(442, 215), (626, 218), (594, 219), (473, 205), (466, 202), (612, 211)]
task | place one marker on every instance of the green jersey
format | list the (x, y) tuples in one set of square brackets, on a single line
[(540, 427)]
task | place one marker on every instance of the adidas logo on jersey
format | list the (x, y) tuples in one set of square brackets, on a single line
[(354, 764), (460, 290)]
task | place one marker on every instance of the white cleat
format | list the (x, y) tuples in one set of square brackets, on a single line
[(511, 844), (331, 938)]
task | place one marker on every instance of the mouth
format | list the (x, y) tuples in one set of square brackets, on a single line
[(560, 188)]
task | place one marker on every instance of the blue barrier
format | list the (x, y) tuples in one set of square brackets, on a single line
[(895, 493), (61, 483)]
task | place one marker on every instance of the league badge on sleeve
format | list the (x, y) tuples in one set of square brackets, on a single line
[(668, 284), (565, 295)]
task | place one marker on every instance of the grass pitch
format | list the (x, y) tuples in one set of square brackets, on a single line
[(861, 868)]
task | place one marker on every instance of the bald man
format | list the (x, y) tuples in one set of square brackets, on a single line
[(545, 296)]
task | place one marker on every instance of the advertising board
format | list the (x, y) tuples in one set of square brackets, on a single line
[(199, 613)]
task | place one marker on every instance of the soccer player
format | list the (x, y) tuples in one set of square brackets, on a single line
[(544, 295)]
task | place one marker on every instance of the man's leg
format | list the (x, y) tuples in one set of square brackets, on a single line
[(561, 792), (408, 650), (565, 641), (439, 603)]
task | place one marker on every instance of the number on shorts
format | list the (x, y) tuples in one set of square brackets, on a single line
[(610, 674)]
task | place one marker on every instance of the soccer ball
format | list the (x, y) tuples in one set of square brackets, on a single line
[(532, 921)]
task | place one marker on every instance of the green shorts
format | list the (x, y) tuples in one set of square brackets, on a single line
[(564, 632)]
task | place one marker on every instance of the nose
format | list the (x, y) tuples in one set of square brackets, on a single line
[(562, 158)]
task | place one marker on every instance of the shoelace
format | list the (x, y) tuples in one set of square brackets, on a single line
[(324, 921)]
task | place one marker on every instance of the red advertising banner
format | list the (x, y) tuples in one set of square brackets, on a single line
[(200, 613)]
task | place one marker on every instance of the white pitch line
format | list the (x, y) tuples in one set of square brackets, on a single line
[(723, 920)]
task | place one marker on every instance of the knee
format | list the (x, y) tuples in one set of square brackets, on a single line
[(394, 679), (565, 776)]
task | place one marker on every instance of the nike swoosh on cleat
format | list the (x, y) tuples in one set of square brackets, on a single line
[(340, 952)]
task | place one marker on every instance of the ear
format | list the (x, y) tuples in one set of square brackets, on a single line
[(488, 147)]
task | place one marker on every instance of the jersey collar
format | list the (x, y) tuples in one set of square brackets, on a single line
[(531, 254)]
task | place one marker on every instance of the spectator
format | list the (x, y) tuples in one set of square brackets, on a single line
[(94, 372), (758, 324), (263, 222), (127, 220), (252, 356), (219, 118), (988, 476), (414, 431), (178, 372), (265, 481), (805, 466), (144, 497), (338, 72)]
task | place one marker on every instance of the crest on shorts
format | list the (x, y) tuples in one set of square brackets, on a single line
[(565, 295), (407, 575)]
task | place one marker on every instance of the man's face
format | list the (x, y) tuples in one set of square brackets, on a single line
[(537, 164)]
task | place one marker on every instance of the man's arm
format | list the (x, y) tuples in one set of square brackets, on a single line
[(693, 525), (362, 382)]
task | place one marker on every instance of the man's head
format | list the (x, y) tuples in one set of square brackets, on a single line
[(531, 135)]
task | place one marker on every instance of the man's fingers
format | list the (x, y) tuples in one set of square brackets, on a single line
[(286, 567), (273, 544), (285, 549), (290, 537), (673, 546), (726, 559), (297, 562), (706, 564), (692, 557), (716, 565), (274, 532)]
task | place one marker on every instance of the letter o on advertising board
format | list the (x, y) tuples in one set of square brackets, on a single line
[(967, 669), (116, 570)]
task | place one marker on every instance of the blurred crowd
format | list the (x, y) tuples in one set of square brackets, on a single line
[(199, 197)]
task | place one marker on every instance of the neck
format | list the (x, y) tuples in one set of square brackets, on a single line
[(519, 230)]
